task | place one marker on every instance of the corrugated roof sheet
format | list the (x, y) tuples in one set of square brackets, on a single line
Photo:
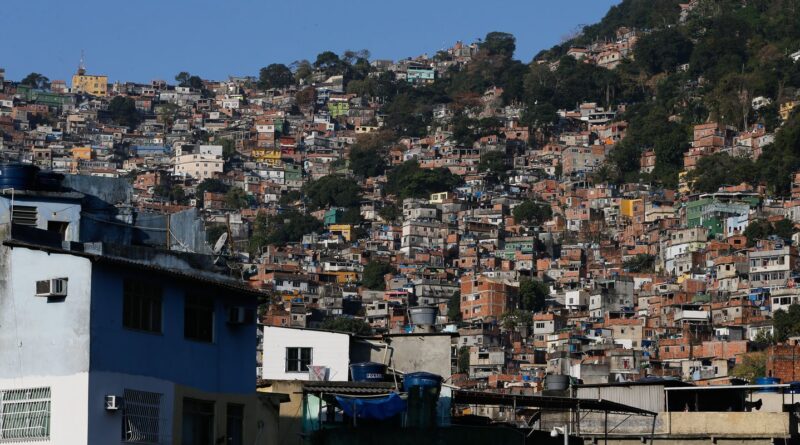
[(545, 402)]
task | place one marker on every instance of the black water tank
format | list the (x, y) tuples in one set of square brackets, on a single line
[(18, 176)]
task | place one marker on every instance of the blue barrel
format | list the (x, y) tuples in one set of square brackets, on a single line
[(367, 372), (423, 396), (18, 176), (422, 380), (767, 381)]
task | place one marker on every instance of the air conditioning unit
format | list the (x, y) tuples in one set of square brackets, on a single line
[(113, 403), (241, 315), (54, 287)]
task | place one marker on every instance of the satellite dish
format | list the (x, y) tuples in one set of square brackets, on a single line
[(220, 243)]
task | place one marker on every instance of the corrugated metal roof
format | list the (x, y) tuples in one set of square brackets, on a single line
[(349, 387), (545, 402)]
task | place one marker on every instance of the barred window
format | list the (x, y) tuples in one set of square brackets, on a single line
[(25, 414), (141, 416)]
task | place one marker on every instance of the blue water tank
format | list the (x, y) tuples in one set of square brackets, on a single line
[(422, 380), (367, 372), (18, 176), (767, 381)]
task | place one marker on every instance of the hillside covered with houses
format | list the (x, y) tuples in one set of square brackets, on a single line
[(624, 206)]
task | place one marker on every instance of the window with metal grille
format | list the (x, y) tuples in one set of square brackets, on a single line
[(25, 414), (141, 416), (141, 306), (298, 359), (24, 215)]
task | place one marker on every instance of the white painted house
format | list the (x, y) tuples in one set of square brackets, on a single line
[(288, 352)]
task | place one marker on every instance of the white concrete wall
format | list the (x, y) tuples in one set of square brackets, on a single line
[(68, 408), (47, 211), (40, 337), (328, 349)]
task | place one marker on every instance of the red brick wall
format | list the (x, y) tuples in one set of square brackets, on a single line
[(783, 362)]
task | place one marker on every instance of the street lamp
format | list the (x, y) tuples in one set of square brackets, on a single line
[(561, 430)]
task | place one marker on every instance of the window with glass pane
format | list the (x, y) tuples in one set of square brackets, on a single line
[(141, 306), (298, 359), (199, 318), (198, 422), (235, 424)]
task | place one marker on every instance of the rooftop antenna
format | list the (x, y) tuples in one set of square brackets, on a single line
[(82, 65)]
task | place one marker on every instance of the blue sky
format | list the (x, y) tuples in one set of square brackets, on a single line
[(141, 40)]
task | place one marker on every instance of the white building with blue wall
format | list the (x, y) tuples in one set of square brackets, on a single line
[(103, 344)]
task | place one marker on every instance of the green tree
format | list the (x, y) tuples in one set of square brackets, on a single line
[(454, 308), (352, 216), (330, 63), (280, 229), (185, 79), (754, 364), (408, 180), (640, 263), (36, 80), (532, 294), (214, 231), (763, 229), (368, 155), (373, 275), (781, 159), (516, 319), (332, 191), (721, 169), (463, 360), (532, 212), (211, 185), (166, 113), (495, 165), (663, 50), (236, 198), (786, 323), (275, 75), (228, 148), (389, 212), (123, 111), (346, 324), (303, 70)]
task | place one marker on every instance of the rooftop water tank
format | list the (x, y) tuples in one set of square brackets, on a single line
[(18, 176), (421, 380), (556, 382), (423, 396), (767, 381), (367, 372), (422, 315)]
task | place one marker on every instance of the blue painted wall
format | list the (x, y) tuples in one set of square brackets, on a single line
[(226, 365)]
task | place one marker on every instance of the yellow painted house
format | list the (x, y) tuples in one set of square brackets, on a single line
[(630, 207), (89, 84), (342, 229), (340, 276), (267, 156), (82, 153)]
